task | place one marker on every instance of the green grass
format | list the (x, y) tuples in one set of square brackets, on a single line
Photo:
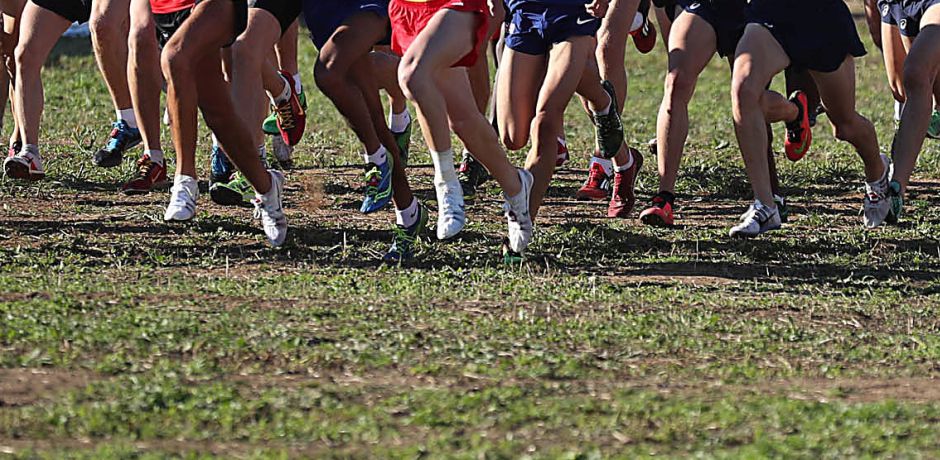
[(124, 337)]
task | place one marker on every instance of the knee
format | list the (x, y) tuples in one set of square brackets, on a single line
[(413, 78), (547, 125), (850, 127), (139, 37), (679, 87), (26, 60), (514, 141), (745, 93), (175, 63), (918, 75), (106, 26), (326, 77)]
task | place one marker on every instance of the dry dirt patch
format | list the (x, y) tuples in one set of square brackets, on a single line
[(26, 386)]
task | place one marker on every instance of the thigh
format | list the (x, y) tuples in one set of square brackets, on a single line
[(759, 56), (110, 8), (692, 43), (142, 17), (40, 29), (566, 64), (203, 34), (837, 91), (518, 81), (354, 39), (448, 37)]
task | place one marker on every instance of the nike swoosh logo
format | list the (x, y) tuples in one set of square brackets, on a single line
[(581, 22), (370, 5)]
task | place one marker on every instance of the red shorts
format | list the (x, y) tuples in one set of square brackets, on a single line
[(410, 18)]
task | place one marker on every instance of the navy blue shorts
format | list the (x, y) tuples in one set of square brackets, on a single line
[(906, 15), (323, 17), (534, 28), (728, 18), (816, 34)]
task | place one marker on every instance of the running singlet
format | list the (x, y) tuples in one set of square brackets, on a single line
[(170, 6)]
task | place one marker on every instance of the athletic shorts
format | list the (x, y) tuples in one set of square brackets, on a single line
[(73, 10), (285, 11), (535, 28), (905, 14), (240, 18), (727, 18), (168, 23), (323, 17), (669, 6), (816, 34), (409, 19)]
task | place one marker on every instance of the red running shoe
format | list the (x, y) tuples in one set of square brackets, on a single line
[(659, 214), (563, 154), (644, 38), (291, 118), (149, 175), (597, 185), (624, 196), (799, 131)]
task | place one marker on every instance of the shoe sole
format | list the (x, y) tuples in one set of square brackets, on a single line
[(21, 172), (585, 197), (654, 220), (108, 162), (144, 191)]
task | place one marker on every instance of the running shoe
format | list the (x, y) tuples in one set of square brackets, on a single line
[(623, 197), (644, 38), (220, 167), (608, 128), (270, 123), (235, 192), (877, 204), (121, 139), (897, 203), (757, 220), (14, 149), (405, 239), (783, 208), (933, 130), (24, 166), (403, 139), (378, 190), (511, 257), (471, 174), (291, 116), (597, 186), (517, 215), (451, 217), (183, 196), (269, 208), (799, 133), (660, 213), (148, 175), (563, 153), (282, 152)]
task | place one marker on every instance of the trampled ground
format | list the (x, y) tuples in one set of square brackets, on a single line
[(121, 335)]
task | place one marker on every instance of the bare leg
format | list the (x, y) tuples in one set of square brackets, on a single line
[(894, 56), (144, 76), (518, 83), (251, 67), (286, 49), (109, 26), (39, 32)]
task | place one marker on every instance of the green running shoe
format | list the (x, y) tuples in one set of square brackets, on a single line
[(897, 203), (403, 139), (933, 130), (608, 128), (270, 124), (236, 192), (511, 257), (405, 239)]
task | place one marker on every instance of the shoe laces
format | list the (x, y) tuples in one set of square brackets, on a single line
[(285, 115), (119, 136), (597, 176), (144, 166), (181, 196), (268, 212), (757, 213)]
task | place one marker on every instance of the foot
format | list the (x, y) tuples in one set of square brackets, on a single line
[(563, 154), (608, 128), (405, 239), (149, 174), (14, 149), (757, 220), (933, 130), (235, 192), (183, 196), (799, 133), (783, 208), (660, 213), (897, 202), (511, 257), (220, 167), (403, 139), (269, 208), (121, 139), (269, 126), (623, 197), (24, 166), (517, 214), (644, 38), (282, 152), (378, 186), (597, 186), (451, 217), (877, 204), (471, 174), (291, 116)]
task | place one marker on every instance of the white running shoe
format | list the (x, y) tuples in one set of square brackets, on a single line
[(758, 219), (517, 214), (451, 217), (183, 196), (282, 152), (877, 205), (269, 208), (24, 165)]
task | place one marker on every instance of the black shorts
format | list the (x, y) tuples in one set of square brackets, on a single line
[(816, 34), (285, 11), (73, 10), (669, 6), (240, 18), (167, 24), (727, 18)]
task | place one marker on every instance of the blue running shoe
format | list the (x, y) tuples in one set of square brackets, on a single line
[(406, 238), (378, 187), (221, 168), (122, 139)]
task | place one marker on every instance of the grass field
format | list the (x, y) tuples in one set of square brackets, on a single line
[(123, 337)]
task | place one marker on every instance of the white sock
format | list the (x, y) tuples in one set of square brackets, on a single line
[(397, 122), (622, 168), (156, 156), (606, 109), (284, 95), (517, 202), (638, 21), (444, 167), (30, 148), (128, 116), (215, 141), (408, 216), (608, 165), (898, 107), (378, 158), (298, 87)]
